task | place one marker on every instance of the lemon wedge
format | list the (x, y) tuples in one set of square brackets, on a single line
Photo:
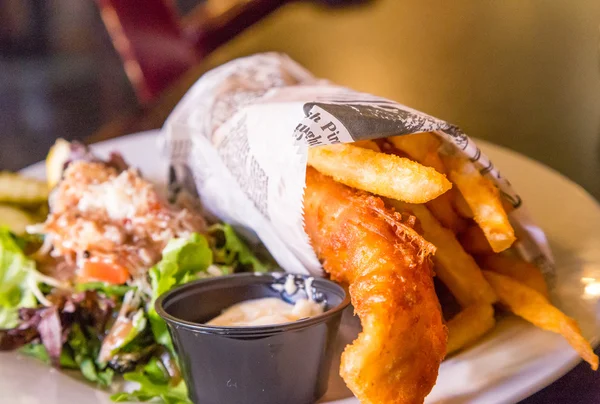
[(58, 155)]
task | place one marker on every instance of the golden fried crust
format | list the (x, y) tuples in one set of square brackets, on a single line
[(396, 357)]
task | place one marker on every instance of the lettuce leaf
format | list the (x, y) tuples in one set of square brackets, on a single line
[(182, 260), (106, 288), (153, 382), (232, 251), (17, 280), (39, 351), (85, 348)]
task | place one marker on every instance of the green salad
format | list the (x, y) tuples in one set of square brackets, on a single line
[(86, 302)]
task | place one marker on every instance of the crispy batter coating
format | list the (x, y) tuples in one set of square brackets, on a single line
[(386, 262)]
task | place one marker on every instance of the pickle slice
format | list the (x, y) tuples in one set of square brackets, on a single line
[(15, 219), (21, 190)]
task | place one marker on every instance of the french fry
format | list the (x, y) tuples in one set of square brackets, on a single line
[(367, 144), (469, 325), (535, 308), (449, 304), (460, 205), (379, 173), (474, 242), (441, 208), (484, 200), (517, 269), (455, 268), (423, 148)]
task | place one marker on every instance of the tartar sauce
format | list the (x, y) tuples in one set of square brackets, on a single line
[(266, 311)]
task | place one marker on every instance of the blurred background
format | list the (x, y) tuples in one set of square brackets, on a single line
[(522, 74), (59, 76)]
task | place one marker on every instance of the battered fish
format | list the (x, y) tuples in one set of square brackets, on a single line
[(375, 250)]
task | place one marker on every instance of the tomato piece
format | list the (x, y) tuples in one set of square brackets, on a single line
[(104, 271)]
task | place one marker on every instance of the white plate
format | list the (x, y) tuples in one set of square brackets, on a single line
[(511, 363)]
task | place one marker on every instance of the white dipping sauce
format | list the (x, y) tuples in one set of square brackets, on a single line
[(266, 311)]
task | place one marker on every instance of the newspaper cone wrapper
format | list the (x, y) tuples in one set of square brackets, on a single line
[(243, 131)]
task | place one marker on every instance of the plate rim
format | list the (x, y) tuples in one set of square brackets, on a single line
[(514, 395)]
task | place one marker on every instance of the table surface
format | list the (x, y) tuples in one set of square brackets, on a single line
[(524, 75)]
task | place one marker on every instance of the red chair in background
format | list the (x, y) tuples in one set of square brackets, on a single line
[(158, 45)]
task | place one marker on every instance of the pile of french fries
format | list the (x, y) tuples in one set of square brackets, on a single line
[(462, 214)]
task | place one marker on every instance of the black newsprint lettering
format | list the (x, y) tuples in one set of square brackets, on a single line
[(314, 117), (299, 132), (304, 131), (302, 128), (476, 156), (312, 139), (515, 200), (333, 136), (487, 169), (330, 126)]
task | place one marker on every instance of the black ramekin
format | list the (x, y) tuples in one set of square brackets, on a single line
[(285, 363)]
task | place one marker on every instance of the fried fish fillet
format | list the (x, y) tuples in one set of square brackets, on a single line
[(386, 262)]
